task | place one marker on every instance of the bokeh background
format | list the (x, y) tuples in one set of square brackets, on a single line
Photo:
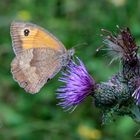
[(74, 22)]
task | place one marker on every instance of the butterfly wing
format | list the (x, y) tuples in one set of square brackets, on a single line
[(34, 67), (28, 35), (38, 56)]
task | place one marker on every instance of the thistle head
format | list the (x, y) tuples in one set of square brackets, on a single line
[(78, 84), (122, 45)]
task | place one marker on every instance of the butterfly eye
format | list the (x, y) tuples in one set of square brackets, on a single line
[(26, 32)]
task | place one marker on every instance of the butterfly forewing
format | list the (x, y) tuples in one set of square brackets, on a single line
[(28, 35)]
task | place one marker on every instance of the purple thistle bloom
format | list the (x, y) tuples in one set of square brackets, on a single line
[(78, 85), (136, 95)]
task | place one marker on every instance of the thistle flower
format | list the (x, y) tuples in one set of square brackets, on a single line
[(78, 85), (121, 46), (136, 95)]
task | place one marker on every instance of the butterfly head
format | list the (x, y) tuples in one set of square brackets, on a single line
[(70, 53)]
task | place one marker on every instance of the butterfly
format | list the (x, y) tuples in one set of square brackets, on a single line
[(39, 55)]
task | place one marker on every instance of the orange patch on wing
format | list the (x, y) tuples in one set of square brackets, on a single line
[(39, 39)]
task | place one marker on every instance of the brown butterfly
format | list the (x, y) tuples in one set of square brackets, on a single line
[(39, 56)]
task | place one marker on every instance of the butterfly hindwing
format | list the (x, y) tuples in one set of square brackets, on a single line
[(33, 72)]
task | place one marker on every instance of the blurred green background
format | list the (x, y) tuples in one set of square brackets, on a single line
[(74, 22)]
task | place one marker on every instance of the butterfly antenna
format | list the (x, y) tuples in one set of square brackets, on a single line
[(80, 45)]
